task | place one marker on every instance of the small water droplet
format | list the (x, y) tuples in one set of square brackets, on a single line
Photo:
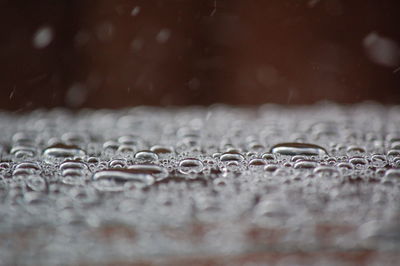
[(117, 163), (355, 150), (135, 11), (393, 174), (345, 168), (327, 171), (158, 149), (23, 151), (69, 164), (36, 183), (271, 167), (305, 165), (257, 162), (43, 37), (358, 162)]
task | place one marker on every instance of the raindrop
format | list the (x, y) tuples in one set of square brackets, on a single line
[(73, 177), (358, 162), (157, 172), (36, 183), (43, 37), (117, 163), (28, 165), (159, 149), (163, 35), (257, 162), (393, 174), (305, 165), (135, 11), (231, 156), (62, 151), (110, 145), (23, 151), (355, 150), (382, 50), (271, 167), (298, 149), (190, 166), (72, 165), (146, 156), (327, 171), (114, 179)]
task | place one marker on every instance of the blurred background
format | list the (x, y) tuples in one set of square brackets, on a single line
[(112, 54)]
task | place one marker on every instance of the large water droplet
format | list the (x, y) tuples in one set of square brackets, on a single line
[(190, 166), (115, 179), (62, 151), (298, 149), (157, 172), (146, 156)]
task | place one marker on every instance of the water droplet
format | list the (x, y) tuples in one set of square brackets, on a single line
[(68, 164), (43, 37), (135, 11), (231, 156), (257, 162), (393, 153), (327, 172), (358, 162), (146, 156), (23, 151), (113, 180), (110, 145), (157, 172), (131, 140), (190, 166), (355, 150), (393, 174), (163, 35), (117, 163), (271, 167), (73, 177), (28, 165), (345, 168), (74, 138), (158, 149), (305, 165), (62, 151), (36, 183), (268, 157), (298, 149), (382, 50), (126, 148), (74, 172)]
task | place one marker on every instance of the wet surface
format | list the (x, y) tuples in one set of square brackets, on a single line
[(316, 185)]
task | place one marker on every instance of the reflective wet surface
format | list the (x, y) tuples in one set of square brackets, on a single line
[(316, 185)]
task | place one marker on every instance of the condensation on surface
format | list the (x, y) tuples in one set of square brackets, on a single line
[(156, 184)]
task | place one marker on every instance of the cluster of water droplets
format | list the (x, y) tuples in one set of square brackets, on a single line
[(146, 183)]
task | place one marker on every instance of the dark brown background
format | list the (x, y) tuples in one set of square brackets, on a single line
[(236, 52)]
